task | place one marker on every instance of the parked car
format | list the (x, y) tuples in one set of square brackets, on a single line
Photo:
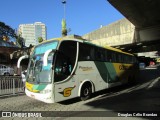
[(5, 70)]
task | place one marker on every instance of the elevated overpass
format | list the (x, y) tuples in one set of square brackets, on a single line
[(144, 15), (139, 32), (141, 13)]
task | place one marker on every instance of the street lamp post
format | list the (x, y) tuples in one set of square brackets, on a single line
[(64, 3), (64, 29)]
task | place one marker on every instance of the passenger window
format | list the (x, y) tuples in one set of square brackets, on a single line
[(100, 54), (109, 56), (86, 52), (113, 57)]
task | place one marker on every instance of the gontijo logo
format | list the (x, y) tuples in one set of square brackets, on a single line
[(67, 91), (123, 67)]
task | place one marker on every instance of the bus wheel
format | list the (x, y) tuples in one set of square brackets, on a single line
[(86, 92)]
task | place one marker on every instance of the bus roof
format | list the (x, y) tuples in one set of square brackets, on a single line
[(87, 42), (109, 48)]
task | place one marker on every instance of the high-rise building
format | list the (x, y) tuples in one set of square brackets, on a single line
[(31, 32)]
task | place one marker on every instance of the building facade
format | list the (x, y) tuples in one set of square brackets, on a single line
[(31, 32)]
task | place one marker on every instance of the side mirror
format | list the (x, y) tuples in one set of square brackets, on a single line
[(45, 57)]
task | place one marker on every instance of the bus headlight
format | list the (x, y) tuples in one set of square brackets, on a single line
[(45, 91)]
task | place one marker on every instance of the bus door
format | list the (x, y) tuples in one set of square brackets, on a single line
[(65, 65)]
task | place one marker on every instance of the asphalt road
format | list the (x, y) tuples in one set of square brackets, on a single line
[(138, 101)]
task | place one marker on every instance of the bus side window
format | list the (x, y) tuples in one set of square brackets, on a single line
[(119, 58), (113, 57), (108, 56), (86, 52), (99, 54)]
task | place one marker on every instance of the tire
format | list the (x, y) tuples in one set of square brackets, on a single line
[(86, 92)]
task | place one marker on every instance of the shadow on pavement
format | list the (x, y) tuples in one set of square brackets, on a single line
[(144, 96), (70, 101)]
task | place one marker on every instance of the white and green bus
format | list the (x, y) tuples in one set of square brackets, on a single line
[(63, 69)]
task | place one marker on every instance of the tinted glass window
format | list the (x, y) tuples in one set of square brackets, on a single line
[(99, 54), (65, 60), (86, 52), (108, 56)]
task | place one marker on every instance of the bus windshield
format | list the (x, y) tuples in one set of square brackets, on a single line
[(37, 73)]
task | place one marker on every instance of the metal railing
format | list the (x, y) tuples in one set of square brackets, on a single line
[(11, 85)]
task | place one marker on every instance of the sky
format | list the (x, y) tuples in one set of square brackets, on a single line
[(82, 16)]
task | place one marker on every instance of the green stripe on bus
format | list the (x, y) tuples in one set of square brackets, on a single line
[(39, 87), (112, 72), (107, 71)]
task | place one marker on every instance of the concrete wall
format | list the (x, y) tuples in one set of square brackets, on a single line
[(118, 33), (149, 34)]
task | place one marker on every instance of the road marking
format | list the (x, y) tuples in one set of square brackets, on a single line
[(153, 83)]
